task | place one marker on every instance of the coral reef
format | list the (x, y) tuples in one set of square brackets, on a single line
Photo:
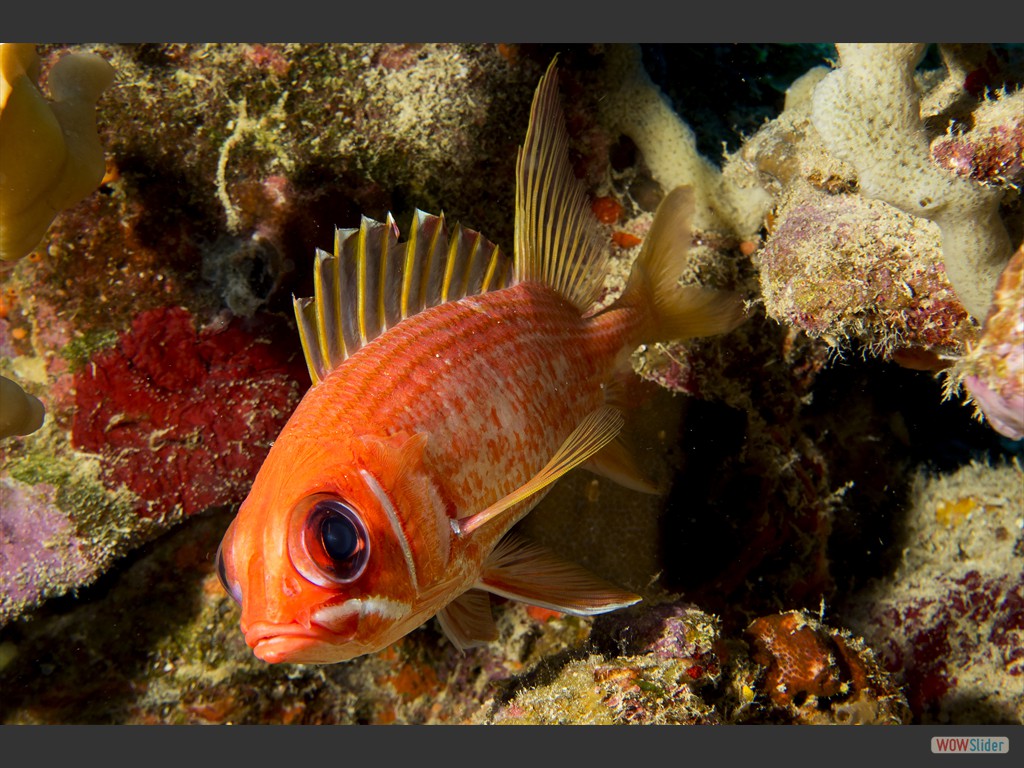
[(869, 108), (949, 622), (661, 662), (993, 369), (889, 290), (802, 468), (820, 675), (669, 663)]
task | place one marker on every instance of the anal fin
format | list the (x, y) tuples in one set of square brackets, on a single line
[(523, 570), (467, 620)]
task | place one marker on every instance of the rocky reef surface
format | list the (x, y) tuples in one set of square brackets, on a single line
[(835, 542)]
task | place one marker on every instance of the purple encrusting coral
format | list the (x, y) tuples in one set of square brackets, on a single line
[(841, 265), (39, 546)]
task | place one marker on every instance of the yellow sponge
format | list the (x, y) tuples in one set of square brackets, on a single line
[(20, 412), (50, 153)]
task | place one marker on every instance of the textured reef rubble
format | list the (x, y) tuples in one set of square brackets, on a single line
[(949, 621), (815, 556)]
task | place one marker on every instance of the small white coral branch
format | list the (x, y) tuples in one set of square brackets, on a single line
[(245, 126), (637, 108)]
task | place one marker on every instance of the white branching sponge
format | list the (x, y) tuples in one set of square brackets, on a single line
[(868, 112)]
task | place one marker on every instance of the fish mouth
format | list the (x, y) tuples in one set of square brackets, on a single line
[(292, 642)]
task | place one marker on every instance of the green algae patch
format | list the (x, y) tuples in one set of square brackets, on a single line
[(80, 350), (572, 698), (105, 519)]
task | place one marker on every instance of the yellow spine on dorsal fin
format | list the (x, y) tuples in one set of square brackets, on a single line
[(327, 289), (305, 317), (372, 282), (419, 254), (360, 253), (450, 261), (557, 239), (385, 283)]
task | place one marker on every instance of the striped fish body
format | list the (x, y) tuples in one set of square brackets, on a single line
[(497, 381), (447, 398)]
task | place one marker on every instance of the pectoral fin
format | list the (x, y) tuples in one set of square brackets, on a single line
[(467, 620), (596, 431), (522, 570)]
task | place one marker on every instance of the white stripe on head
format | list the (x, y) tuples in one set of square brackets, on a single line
[(383, 607), (396, 525), (334, 617)]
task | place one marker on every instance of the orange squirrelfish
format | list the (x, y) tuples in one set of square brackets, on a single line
[(447, 397)]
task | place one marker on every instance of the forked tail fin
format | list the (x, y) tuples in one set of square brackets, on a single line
[(676, 312)]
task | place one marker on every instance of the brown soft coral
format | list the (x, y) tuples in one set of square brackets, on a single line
[(20, 412), (52, 156)]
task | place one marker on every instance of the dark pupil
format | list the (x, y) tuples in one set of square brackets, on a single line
[(335, 540), (339, 536), (222, 571), (222, 574)]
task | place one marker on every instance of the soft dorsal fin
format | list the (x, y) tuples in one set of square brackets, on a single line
[(371, 282), (467, 620), (557, 239), (523, 570), (592, 434)]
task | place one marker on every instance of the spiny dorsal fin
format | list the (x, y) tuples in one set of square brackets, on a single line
[(557, 240), (522, 570), (372, 282)]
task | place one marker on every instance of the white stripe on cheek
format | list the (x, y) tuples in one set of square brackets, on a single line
[(386, 609), (336, 617), (396, 525)]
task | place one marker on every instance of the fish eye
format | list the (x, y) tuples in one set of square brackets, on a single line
[(222, 574), (328, 542)]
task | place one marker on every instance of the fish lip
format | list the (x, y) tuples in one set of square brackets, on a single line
[(264, 631), (295, 643)]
